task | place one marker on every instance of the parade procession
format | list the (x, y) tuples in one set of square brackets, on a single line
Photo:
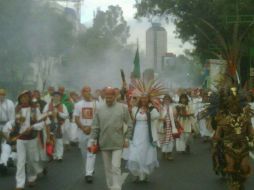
[(121, 95)]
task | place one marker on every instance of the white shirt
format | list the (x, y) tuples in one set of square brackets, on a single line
[(85, 111), (63, 115), (47, 98), (26, 113), (7, 111)]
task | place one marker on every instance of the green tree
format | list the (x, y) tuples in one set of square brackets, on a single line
[(103, 45), (108, 32), (30, 31), (217, 28)]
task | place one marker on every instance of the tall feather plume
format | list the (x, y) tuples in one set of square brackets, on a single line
[(154, 89)]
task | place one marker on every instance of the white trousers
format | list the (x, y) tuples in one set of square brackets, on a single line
[(88, 158), (166, 148), (66, 132), (204, 132), (183, 141), (27, 155), (112, 164), (59, 149), (73, 132), (5, 154)]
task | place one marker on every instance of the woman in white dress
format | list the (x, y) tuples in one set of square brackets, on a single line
[(167, 139), (142, 159), (186, 119)]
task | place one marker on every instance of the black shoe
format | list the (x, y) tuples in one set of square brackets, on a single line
[(3, 169), (187, 150), (45, 171), (136, 179), (89, 179)]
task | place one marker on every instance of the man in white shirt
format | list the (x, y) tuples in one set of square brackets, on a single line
[(25, 132), (84, 114), (57, 118), (7, 117)]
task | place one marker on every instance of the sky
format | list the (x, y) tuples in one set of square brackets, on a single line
[(137, 28)]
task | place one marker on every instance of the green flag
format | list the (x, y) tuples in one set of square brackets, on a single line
[(136, 70)]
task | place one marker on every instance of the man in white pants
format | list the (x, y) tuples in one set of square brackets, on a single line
[(57, 115), (26, 127), (84, 113), (108, 129), (7, 117)]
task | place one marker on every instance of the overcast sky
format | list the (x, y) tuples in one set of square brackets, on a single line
[(137, 28)]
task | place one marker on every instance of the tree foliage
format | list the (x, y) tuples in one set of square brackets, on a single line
[(109, 31), (29, 29), (194, 18)]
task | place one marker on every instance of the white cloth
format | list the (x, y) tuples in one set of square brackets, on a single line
[(27, 151), (167, 144), (7, 114), (100, 102), (183, 141), (59, 149), (202, 123), (252, 118), (66, 130), (204, 131), (142, 157), (7, 111), (47, 98), (112, 165), (74, 132), (172, 115), (88, 158), (187, 122), (41, 147), (26, 113), (63, 115), (166, 148), (27, 155), (5, 154), (85, 110)]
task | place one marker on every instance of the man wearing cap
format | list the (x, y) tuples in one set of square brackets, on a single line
[(7, 117), (27, 123), (84, 113), (108, 130), (57, 115)]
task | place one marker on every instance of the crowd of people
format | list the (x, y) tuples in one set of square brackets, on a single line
[(134, 124)]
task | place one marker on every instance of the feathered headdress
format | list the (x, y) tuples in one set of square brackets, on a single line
[(153, 89)]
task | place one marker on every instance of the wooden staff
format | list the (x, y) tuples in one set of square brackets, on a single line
[(124, 89)]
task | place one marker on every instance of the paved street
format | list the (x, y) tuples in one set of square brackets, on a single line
[(186, 172)]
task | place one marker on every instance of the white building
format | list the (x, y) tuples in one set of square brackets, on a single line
[(71, 8), (156, 46)]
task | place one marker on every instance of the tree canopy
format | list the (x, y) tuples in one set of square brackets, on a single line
[(194, 20), (29, 29)]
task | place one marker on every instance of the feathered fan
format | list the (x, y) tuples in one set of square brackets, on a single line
[(153, 89)]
